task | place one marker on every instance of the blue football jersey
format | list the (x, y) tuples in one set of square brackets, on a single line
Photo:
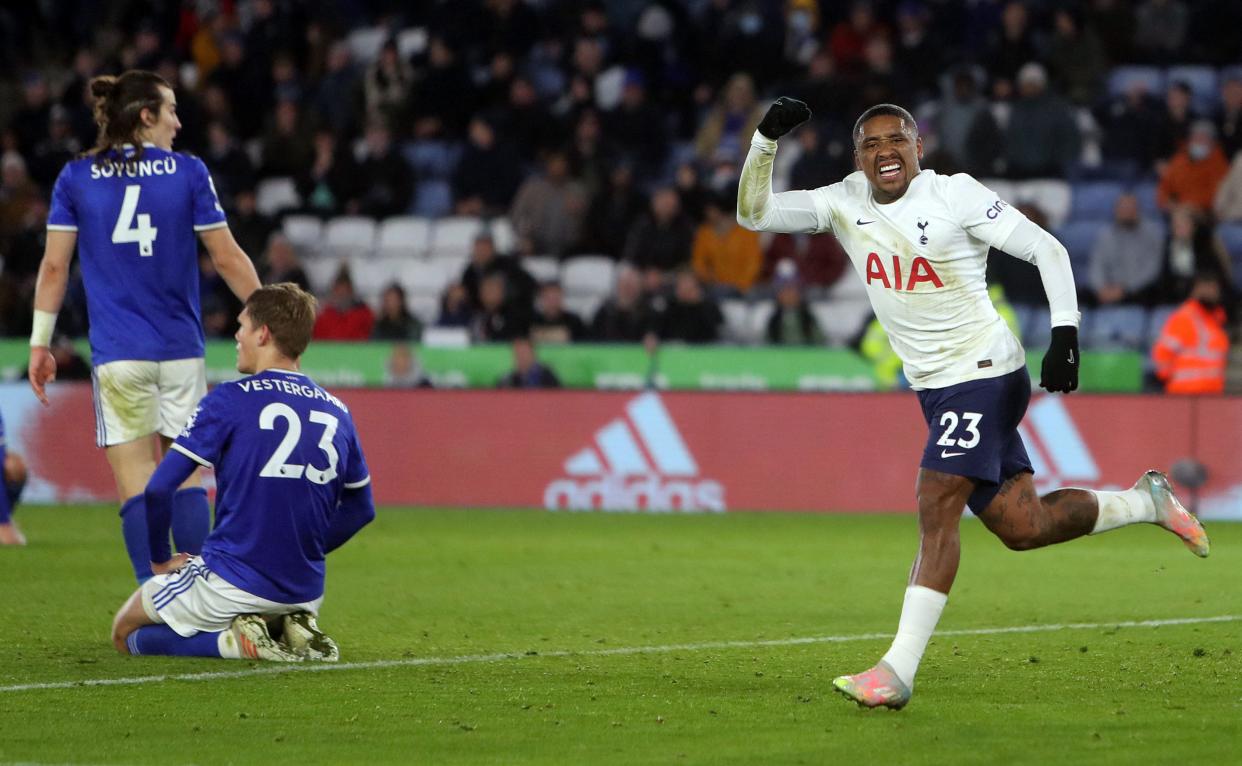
[(137, 245), (283, 450)]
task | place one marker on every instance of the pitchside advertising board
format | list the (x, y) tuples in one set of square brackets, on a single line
[(681, 452)]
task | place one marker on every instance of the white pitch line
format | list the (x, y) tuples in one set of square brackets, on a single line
[(617, 651)]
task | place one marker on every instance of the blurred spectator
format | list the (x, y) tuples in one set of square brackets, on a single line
[(499, 318), (337, 101), (1229, 121), (690, 316), (1126, 258), (250, 228), (18, 194), (552, 322), (1042, 138), (389, 181), (1176, 120), (814, 167), (613, 211), (1020, 280), (286, 148), (280, 263), (636, 124), (524, 121), (918, 56), (1228, 203), (485, 261), (528, 371), (849, 38), (30, 120), (725, 133), (69, 363), (819, 258), (1160, 30), (662, 238), (243, 84), (1190, 250), (387, 85), (1193, 175), (1191, 352), (330, 179), (1012, 45), (550, 209), (403, 369), (394, 321), (624, 317), (1076, 58), (443, 93), (455, 309), (57, 146), (1132, 125), (1113, 21), (968, 135), (792, 323), (488, 173), (231, 169), (590, 155), (726, 257), (690, 190), (343, 316), (220, 307)]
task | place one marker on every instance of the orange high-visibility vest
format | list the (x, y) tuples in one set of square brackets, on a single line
[(1191, 351)]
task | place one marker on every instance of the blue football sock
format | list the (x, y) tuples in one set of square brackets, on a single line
[(6, 502), (134, 530), (161, 639), (191, 520)]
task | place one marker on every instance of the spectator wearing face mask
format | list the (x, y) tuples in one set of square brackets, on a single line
[(1196, 170)]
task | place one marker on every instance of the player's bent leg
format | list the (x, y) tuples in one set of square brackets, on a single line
[(129, 618), (1024, 521)]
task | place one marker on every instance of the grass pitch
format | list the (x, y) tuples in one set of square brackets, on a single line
[(526, 637)]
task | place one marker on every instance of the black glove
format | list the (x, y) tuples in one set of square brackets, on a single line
[(783, 116), (1059, 371)]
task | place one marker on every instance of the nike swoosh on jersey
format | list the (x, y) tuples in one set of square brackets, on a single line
[(945, 453), (861, 222)]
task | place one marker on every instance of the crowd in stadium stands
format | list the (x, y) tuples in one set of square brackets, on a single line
[(565, 169)]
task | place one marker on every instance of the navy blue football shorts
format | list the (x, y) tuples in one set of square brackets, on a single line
[(973, 432)]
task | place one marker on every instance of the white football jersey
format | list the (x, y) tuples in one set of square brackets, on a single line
[(923, 259)]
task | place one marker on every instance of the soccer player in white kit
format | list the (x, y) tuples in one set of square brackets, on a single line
[(920, 241)]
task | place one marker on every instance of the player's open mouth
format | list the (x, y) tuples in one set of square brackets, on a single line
[(890, 170)]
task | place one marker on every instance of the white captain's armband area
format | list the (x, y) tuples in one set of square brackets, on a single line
[(42, 326)]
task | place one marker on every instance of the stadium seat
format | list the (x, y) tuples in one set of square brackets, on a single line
[(1078, 238), (305, 233), (453, 265), (454, 236), (1004, 189), (841, 321), (426, 278), (1155, 324), (350, 235), (424, 306), (1049, 195), (274, 195), (736, 311), (1231, 235), (412, 42), (1116, 327), (372, 275), (1037, 331), (1203, 82), (433, 198), (543, 268), (404, 235), (588, 275), (446, 337), (1146, 193), (1121, 77), (584, 305), (321, 272), (365, 43), (1095, 200), (760, 315), (504, 235)]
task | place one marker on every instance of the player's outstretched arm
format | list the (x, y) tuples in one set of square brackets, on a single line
[(356, 510), (49, 295), (231, 261), (169, 475), (758, 209)]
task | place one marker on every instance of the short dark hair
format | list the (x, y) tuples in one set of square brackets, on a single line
[(882, 110), (288, 311)]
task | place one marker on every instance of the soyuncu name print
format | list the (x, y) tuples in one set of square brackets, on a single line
[(921, 270), (164, 166)]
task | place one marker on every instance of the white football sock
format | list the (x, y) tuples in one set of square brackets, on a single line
[(227, 645), (1117, 509), (919, 614)]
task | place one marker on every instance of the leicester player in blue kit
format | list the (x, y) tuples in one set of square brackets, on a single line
[(131, 207), (14, 482), (292, 486)]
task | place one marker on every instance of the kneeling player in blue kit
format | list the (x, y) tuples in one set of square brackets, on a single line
[(292, 486)]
